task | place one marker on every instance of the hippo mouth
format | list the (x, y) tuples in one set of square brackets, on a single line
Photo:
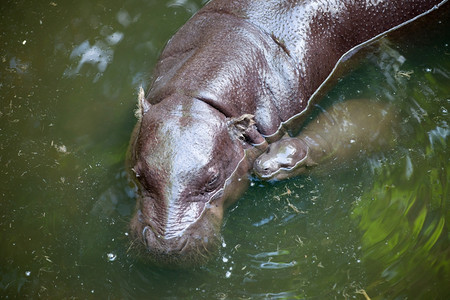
[(194, 246)]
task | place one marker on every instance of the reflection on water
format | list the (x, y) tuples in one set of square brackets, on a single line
[(69, 76), (99, 55), (403, 216)]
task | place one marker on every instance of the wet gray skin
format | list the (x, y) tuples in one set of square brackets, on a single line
[(340, 133), (236, 73)]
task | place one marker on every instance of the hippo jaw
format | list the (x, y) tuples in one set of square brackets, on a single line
[(189, 163)]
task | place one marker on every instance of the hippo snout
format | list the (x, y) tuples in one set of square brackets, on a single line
[(157, 243), (165, 248), (265, 167), (192, 246), (281, 159)]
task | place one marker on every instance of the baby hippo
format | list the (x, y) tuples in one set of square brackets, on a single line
[(338, 134)]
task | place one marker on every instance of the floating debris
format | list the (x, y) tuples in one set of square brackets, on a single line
[(111, 256)]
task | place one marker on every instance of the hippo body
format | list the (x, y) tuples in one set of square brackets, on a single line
[(228, 79), (338, 134)]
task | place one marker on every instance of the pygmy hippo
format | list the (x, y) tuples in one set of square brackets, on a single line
[(340, 133), (237, 72)]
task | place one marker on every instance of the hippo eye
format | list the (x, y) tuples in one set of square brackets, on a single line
[(213, 182)]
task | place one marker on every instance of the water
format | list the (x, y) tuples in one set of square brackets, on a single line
[(69, 80)]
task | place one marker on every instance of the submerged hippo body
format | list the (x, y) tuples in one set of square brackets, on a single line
[(232, 75), (338, 134)]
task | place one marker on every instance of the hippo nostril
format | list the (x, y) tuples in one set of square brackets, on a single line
[(261, 167), (184, 245), (150, 236), (267, 166), (145, 235)]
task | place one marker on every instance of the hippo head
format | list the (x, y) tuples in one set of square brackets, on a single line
[(189, 163), (283, 159)]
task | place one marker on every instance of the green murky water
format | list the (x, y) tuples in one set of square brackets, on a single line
[(68, 82)]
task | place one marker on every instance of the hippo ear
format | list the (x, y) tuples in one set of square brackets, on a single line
[(244, 129), (143, 105)]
